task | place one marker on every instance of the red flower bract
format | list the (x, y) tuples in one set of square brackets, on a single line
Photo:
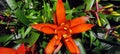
[(63, 29), (20, 50)]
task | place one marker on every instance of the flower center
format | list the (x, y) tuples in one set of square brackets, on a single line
[(64, 30)]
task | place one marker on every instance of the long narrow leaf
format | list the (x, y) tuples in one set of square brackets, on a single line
[(33, 38), (12, 4), (20, 15), (79, 44), (5, 38), (27, 31), (89, 4)]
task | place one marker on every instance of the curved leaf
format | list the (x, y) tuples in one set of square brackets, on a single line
[(79, 44)]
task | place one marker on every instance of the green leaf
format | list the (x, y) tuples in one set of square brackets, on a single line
[(67, 6), (69, 14), (33, 38), (44, 43), (97, 43), (30, 3), (5, 38), (54, 5), (21, 17), (47, 11), (89, 4), (79, 44), (116, 19), (118, 29), (96, 50), (92, 37), (104, 20), (22, 31), (12, 4), (27, 31), (19, 13)]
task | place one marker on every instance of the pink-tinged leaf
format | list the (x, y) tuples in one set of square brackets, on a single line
[(45, 28), (7, 50), (79, 20), (33, 49), (60, 12), (58, 48), (52, 45), (71, 46), (81, 28)]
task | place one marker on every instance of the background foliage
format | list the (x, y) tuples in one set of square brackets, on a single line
[(16, 17)]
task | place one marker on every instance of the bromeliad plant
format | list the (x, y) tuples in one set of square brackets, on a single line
[(62, 30), (16, 18)]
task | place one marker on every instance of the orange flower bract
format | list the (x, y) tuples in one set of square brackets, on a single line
[(63, 29)]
